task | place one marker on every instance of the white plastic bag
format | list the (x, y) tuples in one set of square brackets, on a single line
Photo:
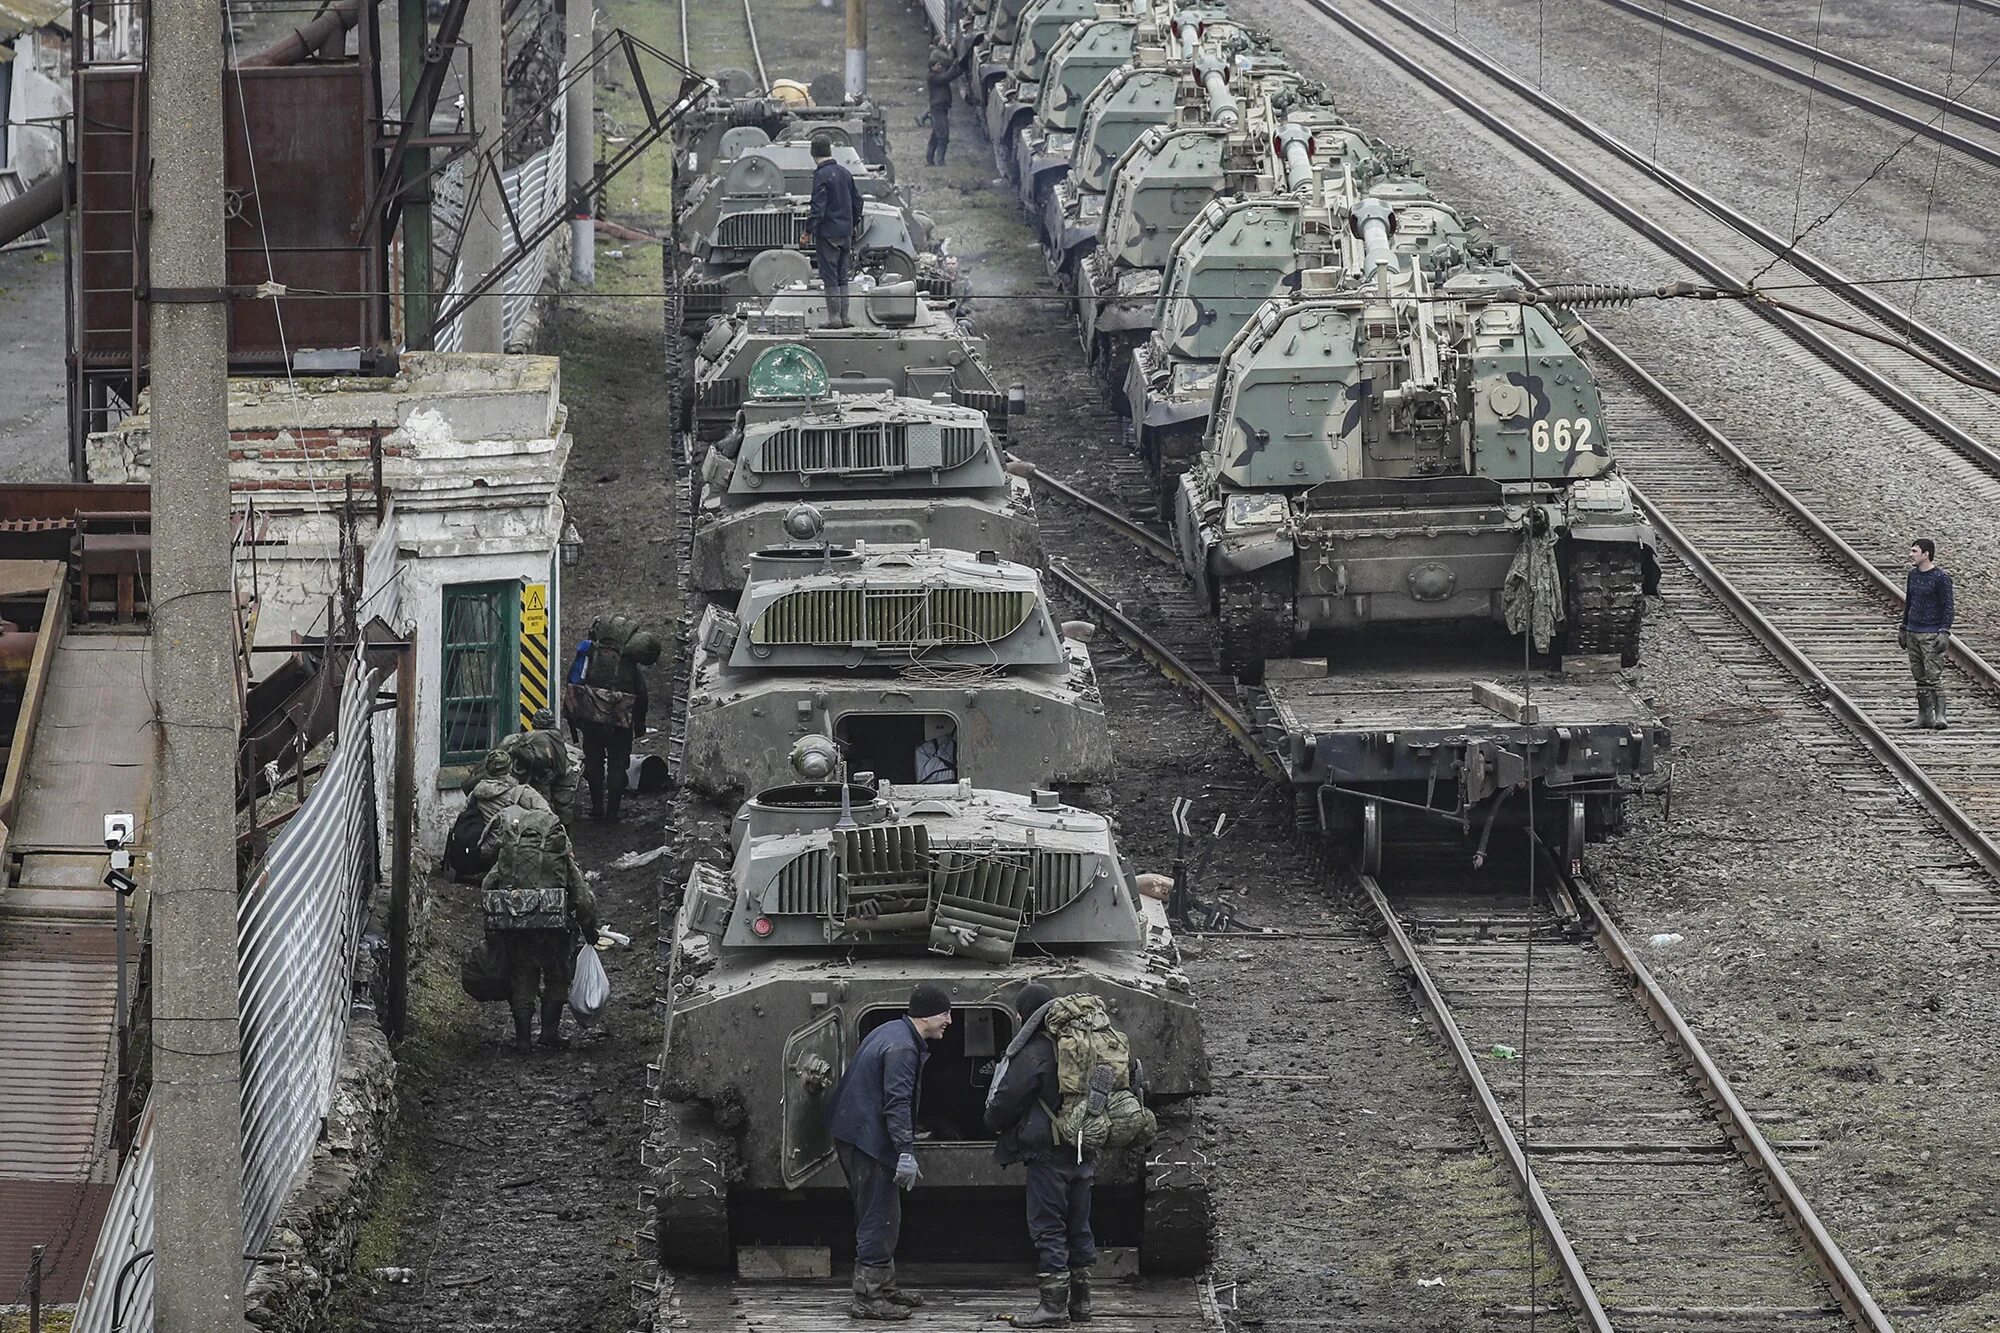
[(590, 988)]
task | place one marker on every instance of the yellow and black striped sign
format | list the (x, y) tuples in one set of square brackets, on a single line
[(535, 682)]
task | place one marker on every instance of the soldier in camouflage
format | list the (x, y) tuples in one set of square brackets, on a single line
[(541, 759), (610, 706), (536, 902), (495, 787)]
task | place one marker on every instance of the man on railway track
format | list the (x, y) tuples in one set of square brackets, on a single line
[(833, 227), (872, 1117), (1926, 632), (942, 68)]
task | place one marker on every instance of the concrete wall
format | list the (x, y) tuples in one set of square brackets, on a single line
[(472, 451)]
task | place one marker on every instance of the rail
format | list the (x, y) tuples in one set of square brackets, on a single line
[(1930, 127), (1727, 1111), (1802, 330)]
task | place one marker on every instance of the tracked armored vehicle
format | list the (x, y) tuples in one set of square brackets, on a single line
[(1086, 54), (876, 467), (1401, 454), (751, 211), (1010, 99), (1163, 182), (1243, 251), (716, 130), (835, 902), (901, 342), (1125, 104), (924, 664)]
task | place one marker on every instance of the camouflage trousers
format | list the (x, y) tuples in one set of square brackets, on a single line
[(1927, 659), (535, 961)]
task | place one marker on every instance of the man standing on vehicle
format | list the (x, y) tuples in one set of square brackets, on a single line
[(1926, 632), (1025, 1089), (872, 1117), (833, 227)]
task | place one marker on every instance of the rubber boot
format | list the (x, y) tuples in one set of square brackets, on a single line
[(596, 804), (1079, 1295), (552, 1036), (524, 1029), (895, 1295), (611, 806), (1938, 722), (1924, 710), (1053, 1312), (870, 1298)]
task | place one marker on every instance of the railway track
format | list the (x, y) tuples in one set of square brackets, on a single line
[(725, 31), (1720, 244), (1666, 1206), (1922, 111)]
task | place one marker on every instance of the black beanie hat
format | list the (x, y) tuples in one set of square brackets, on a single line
[(1032, 997), (929, 1000)]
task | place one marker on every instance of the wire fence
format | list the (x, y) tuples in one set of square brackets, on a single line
[(298, 929), (536, 190)]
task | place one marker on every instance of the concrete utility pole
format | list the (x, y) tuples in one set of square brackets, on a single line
[(413, 35), (857, 48), (197, 1071), (580, 150), (484, 325)]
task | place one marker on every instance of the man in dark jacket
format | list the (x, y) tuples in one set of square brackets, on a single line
[(938, 76), (872, 1118), (1928, 616), (833, 227), (1025, 1090), (612, 702)]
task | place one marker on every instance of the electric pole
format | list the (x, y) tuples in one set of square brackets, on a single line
[(857, 48), (413, 36), (197, 1070), (483, 325), (580, 148)]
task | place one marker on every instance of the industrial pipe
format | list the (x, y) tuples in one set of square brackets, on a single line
[(321, 35)]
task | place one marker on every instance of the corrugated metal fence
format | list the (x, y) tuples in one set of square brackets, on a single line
[(298, 926), (536, 190)]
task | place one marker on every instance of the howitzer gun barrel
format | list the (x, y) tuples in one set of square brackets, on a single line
[(1222, 107)]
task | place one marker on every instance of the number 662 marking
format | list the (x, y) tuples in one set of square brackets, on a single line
[(1564, 434)]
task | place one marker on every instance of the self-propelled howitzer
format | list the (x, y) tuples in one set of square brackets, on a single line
[(876, 467), (836, 901), (1245, 250), (924, 664), (1404, 454)]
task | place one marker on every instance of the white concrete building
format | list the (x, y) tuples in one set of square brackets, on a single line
[(469, 451), (34, 84)]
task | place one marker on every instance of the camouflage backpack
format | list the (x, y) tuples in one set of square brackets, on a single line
[(528, 887), (1094, 1071)]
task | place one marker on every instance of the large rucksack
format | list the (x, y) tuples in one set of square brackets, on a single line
[(1094, 1071), (605, 666), (528, 887)]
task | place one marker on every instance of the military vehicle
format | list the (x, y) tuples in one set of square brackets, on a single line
[(1167, 177), (1404, 453), (876, 467), (1088, 52), (1118, 110), (755, 201), (838, 898), (925, 664), (1242, 251), (902, 342), (1010, 100), (787, 112)]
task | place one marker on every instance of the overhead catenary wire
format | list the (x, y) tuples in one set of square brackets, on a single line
[(1937, 165)]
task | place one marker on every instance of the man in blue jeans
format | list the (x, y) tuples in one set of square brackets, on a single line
[(872, 1118), (833, 227), (1926, 633)]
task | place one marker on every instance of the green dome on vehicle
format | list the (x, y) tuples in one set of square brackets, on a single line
[(789, 370)]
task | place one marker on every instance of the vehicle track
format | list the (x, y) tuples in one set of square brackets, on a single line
[(1720, 244), (1922, 111)]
